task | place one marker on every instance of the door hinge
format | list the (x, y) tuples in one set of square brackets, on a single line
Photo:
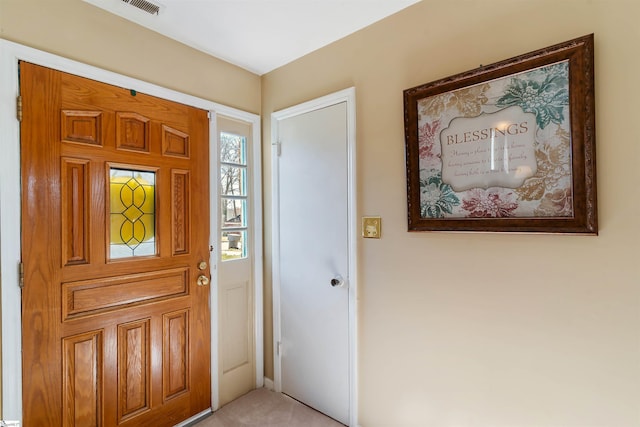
[(278, 147), (19, 108), (21, 275), (278, 345), (209, 115)]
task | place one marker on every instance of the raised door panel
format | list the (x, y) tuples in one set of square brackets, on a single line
[(180, 224), (134, 368), (175, 361), (82, 127), (82, 380), (174, 142), (235, 345), (75, 211), (93, 296), (132, 132)]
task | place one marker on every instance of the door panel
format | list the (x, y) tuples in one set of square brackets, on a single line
[(235, 266), (134, 367), (313, 250), (116, 330), (82, 379)]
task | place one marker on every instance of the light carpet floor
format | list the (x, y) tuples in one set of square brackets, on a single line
[(265, 408)]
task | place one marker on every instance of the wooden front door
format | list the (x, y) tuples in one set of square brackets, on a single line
[(115, 231)]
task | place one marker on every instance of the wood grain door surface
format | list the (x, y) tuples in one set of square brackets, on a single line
[(111, 340)]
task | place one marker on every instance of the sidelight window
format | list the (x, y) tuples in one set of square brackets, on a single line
[(233, 195)]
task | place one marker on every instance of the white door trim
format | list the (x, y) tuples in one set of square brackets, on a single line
[(10, 250), (348, 96)]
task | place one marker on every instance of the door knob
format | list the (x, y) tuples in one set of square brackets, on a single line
[(202, 280), (337, 281)]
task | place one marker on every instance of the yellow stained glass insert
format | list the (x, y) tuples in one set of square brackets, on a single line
[(133, 213)]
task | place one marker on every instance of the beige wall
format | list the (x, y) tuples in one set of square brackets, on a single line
[(455, 330), (486, 329), (77, 30)]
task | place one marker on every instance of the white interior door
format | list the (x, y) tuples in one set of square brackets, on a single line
[(313, 265)]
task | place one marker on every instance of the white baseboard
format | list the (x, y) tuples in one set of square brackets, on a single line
[(268, 384)]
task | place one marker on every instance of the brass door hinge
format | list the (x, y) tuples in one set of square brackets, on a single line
[(19, 108), (21, 275)]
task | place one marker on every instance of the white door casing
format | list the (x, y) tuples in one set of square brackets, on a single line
[(10, 251), (314, 241)]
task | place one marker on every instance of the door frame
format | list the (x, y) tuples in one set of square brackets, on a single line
[(348, 96), (10, 216)]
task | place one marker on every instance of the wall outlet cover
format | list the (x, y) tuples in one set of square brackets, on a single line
[(371, 227)]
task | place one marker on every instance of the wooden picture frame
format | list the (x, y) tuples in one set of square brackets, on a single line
[(506, 147)]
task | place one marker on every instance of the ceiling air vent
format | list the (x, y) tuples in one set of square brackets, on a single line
[(147, 6)]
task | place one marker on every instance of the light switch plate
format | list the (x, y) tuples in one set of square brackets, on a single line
[(371, 227)]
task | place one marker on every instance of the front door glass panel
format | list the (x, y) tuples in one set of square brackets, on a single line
[(132, 213)]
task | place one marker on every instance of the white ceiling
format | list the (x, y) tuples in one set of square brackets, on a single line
[(257, 35)]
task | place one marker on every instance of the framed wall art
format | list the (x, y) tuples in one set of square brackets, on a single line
[(506, 147)]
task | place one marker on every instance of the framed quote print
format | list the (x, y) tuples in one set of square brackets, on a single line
[(506, 147)]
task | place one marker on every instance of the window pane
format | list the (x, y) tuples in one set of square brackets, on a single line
[(232, 180), (233, 212), (233, 196), (234, 245), (232, 149), (132, 212)]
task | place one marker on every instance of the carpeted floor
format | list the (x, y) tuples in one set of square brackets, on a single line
[(265, 408)]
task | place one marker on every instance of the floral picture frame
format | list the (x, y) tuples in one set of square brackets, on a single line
[(506, 147)]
